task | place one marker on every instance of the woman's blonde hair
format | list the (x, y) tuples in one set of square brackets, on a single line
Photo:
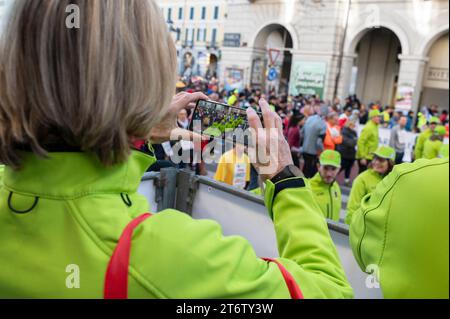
[(94, 88)]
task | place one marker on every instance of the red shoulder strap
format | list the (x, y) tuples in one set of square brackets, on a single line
[(116, 280), (292, 285)]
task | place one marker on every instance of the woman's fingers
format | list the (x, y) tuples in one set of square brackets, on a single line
[(279, 124), (191, 106), (190, 98), (253, 119), (255, 126), (186, 101), (268, 116)]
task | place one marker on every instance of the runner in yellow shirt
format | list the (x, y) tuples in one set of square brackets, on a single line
[(234, 98), (234, 168)]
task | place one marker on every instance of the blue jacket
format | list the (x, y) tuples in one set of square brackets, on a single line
[(313, 132)]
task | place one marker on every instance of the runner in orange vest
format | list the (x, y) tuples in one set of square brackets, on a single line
[(333, 135)]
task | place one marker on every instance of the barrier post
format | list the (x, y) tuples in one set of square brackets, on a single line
[(187, 185), (167, 186)]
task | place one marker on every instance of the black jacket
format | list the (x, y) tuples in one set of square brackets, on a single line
[(348, 146)]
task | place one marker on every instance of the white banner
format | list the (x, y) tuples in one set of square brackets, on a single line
[(404, 100), (410, 140)]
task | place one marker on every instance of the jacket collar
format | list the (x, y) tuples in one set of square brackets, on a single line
[(319, 181), (71, 175), (374, 173)]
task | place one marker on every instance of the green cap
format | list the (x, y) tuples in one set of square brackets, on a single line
[(385, 152), (440, 130), (435, 120), (374, 113), (236, 91), (330, 158)]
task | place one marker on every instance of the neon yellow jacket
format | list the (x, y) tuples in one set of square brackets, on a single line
[(368, 141), (424, 136), (328, 197), (257, 191), (232, 100), (443, 153), (422, 121), (362, 185), (401, 231), (431, 149), (78, 214)]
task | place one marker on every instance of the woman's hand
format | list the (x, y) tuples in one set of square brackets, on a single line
[(272, 153), (167, 129)]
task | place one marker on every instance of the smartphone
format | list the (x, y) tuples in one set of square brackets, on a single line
[(222, 121)]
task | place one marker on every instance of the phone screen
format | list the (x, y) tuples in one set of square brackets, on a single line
[(221, 121)]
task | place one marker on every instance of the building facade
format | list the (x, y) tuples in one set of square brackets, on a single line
[(4, 5), (197, 28), (393, 52)]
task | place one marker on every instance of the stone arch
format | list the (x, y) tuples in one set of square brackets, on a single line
[(378, 65), (355, 37), (436, 34), (434, 83), (260, 37), (280, 36)]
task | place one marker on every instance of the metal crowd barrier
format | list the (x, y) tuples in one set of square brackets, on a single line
[(239, 213)]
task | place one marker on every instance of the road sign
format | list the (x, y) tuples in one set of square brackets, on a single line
[(273, 74), (274, 54), (232, 40)]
